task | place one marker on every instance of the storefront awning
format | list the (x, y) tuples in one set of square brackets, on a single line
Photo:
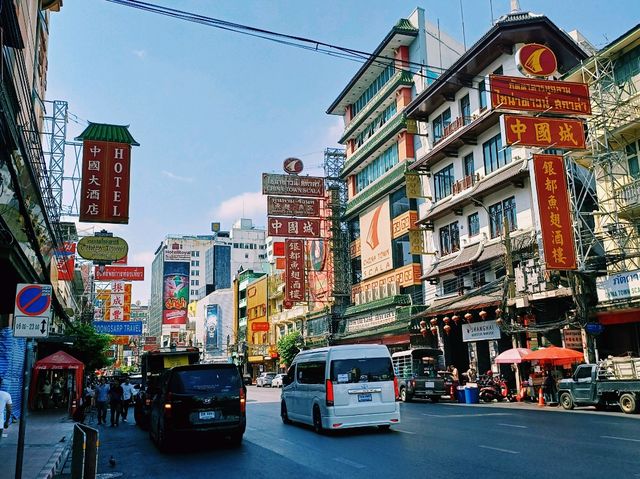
[(621, 316), (491, 296)]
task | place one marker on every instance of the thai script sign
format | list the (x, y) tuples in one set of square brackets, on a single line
[(293, 227), (114, 273), (536, 60), (291, 185), (555, 217), (543, 132), (482, 331), (285, 206), (294, 289), (618, 286), (368, 321), (119, 328), (550, 96), (572, 338), (103, 248)]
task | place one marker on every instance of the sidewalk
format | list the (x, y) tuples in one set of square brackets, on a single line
[(47, 438)]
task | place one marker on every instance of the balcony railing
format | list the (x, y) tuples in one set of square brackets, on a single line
[(454, 126), (630, 194), (465, 183)]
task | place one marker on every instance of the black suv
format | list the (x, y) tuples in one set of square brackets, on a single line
[(201, 398)]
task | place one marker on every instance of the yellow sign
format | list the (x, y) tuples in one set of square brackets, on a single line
[(256, 359), (414, 186), (256, 310), (416, 241), (103, 248), (412, 126), (173, 361)]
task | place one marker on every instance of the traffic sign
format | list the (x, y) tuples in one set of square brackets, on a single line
[(30, 327), (32, 313)]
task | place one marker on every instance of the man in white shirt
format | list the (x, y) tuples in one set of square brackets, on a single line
[(5, 410), (127, 395)]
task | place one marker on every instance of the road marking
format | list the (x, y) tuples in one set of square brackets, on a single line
[(500, 450), (349, 463), (620, 438), (513, 425), (469, 415), (403, 432), (285, 440)]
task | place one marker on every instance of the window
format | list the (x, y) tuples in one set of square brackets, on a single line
[(449, 239), (193, 282), (627, 65), (361, 370), (443, 182), (498, 71), (495, 156), (504, 210), (450, 286), (311, 373), (467, 163), (376, 124), (374, 88), (291, 372), (356, 271), (401, 252), (632, 159), (473, 224), (439, 123), (378, 167), (465, 109), (195, 263), (478, 279), (482, 95), (399, 203), (354, 229)]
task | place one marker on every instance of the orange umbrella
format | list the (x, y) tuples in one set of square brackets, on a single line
[(555, 355)]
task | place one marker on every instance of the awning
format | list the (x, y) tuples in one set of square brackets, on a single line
[(491, 296), (621, 316), (467, 256)]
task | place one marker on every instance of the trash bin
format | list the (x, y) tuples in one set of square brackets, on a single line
[(471, 394), (461, 395)]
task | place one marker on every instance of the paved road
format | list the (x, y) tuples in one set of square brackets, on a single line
[(433, 440)]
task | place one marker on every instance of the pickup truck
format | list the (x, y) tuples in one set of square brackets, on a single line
[(417, 372), (600, 386)]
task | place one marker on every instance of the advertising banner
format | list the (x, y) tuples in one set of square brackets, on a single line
[(212, 322), (549, 96), (624, 285), (480, 331), (285, 206), (293, 227), (125, 273), (177, 255), (66, 261), (119, 328), (175, 292), (294, 280), (375, 242), (544, 132), (256, 310), (105, 182), (291, 185), (555, 217)]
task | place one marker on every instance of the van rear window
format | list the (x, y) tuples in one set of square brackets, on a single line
[(195, 381), (361, 370)]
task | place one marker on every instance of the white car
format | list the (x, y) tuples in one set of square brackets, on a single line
[(276, 382), (265, 379)]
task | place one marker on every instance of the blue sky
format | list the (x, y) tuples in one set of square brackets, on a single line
[(213, 109)]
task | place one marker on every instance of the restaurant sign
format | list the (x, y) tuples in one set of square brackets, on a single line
[(123, 273), (543, 132), (618, 286), (291, 185), (293, 227), (286, 206), (481, 331)]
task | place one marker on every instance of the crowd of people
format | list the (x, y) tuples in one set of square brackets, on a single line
[(116, 396)]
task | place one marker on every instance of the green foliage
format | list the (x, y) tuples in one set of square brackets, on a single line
[(289, 346), (89, 346)]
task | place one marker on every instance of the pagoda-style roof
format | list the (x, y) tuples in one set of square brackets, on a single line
[(106, 132)]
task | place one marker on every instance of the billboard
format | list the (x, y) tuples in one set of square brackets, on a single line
[(105, 182), (555, 217), (114, 273), (293, 227), (290, 185), (375, 242), (66, 261), (212, 323), (286, 206), (175, 292), (257, 311), (543, 132)]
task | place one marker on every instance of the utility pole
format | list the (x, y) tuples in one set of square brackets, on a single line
[(511, 291)]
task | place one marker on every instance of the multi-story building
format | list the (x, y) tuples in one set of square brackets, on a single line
[(249, 247), (250, 305), (480, 196), (379, 145), (217, 268)]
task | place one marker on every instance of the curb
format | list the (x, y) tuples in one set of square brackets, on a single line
[(56, 461)]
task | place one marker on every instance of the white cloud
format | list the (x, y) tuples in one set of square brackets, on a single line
[(141, 290), (139, 53), (173, 176), (246, 205)]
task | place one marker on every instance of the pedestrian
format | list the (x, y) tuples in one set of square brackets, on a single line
[(45, 393), (471, 374), (549, 388), (127, 395), (102, 396), (57, 392), (115, 403), (5, 410), (455, 380), (89, 395)]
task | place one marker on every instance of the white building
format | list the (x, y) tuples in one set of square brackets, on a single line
[(214, 325), (248, 247)]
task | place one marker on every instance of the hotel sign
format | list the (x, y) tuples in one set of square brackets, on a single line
[(291, 185), (543, 132)]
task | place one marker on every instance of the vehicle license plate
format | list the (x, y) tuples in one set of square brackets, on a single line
[(364, 397), (429, 384), (207, 415)]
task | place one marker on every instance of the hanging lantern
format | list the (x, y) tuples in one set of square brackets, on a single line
[(455, 318), (499, 321), (446, 319), (447, 329), (434, 330), (423, 324), (498, 312), (434, 321), (424, 332), (468, 317), (482, 314)]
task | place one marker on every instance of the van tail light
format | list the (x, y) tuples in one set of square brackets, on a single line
[(168, 407), (243, 401), (329, 393), (396, 389)]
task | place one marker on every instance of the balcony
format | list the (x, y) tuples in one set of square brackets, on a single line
[(629, 200), (454, 126), (465, 183)]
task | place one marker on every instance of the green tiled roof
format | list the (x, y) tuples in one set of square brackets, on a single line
[(377, 190), (405, 25), (400, 299), (105, 132)]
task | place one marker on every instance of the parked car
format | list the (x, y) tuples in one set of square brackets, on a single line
[(247, 379), (198, 399), (265, 379), (417, 374), (277, 381)]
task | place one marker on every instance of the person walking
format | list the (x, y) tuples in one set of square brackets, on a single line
[(5, 410), (549, 388), (102, 396), (57, 392), (115, 403), (45, 393), (127, 395)]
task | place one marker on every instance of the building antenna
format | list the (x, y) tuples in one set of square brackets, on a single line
[(491, 9), (464, 38), (439, 44)]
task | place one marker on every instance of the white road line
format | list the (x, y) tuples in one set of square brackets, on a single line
[(469, 415), (620, 438), (349, 463), (403, 432), (501, 450), (513, 425)]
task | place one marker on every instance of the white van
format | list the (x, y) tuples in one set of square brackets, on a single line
[(341, 387)]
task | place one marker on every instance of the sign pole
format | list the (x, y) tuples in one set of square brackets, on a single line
[(24, 406)]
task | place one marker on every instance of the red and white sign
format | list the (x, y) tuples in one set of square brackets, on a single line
[(294, 287), (292, 166), (66, 261), (259, 326), (536, 60), (291, 185), (293, 227), (105, 182), (278, 249), (286, 206), (124, 273), (544, 132)]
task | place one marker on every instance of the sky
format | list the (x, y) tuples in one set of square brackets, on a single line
[(213, 109)]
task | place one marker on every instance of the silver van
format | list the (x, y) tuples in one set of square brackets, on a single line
[(341, 387)]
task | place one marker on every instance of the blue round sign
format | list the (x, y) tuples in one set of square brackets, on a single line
[(594, 328), (32, 301)]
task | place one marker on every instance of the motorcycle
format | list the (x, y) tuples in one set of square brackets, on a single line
[(495, 388)]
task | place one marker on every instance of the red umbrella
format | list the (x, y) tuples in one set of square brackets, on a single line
[(555, 355), (512, 356)]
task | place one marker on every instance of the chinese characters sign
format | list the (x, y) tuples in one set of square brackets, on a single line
[(290, 185), (555, 217), (294, 289), (105, 182), (305, 207), (293, 227), (544, 132), (549, 96)]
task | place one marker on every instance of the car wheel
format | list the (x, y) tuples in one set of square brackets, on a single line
[(317, 420), (284, 414), (404, 397), (566, 401), (236, 439), (628, 403), (162, 440)]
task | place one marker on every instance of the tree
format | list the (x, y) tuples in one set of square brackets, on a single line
[(89, 346), (289, 346)]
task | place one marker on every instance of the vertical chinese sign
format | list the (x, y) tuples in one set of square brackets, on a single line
[(175, 287), (555, 217), (106, 164), (294, 289)]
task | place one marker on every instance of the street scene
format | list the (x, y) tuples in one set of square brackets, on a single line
[(284, 239)]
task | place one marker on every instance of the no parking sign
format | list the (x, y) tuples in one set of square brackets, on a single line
[(32, 314)]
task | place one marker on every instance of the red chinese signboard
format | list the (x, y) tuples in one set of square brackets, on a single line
[(294, 286), (105, 182), (66, 261), (293, 227), (259, 326), (124, 273), (544, 132), (278, 249), (536, 60), (555, 218), (305, 207), (526, 94)]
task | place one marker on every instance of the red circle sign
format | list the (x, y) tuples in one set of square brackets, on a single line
[(537, 60), (292, 166)]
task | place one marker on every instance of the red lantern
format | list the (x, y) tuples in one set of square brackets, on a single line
[(434, 330), (499, 321), (455, 318), (423, 324), (468, 317), (447, 329), (446, 319), (434, 321), (498, 312), (482, 314)]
